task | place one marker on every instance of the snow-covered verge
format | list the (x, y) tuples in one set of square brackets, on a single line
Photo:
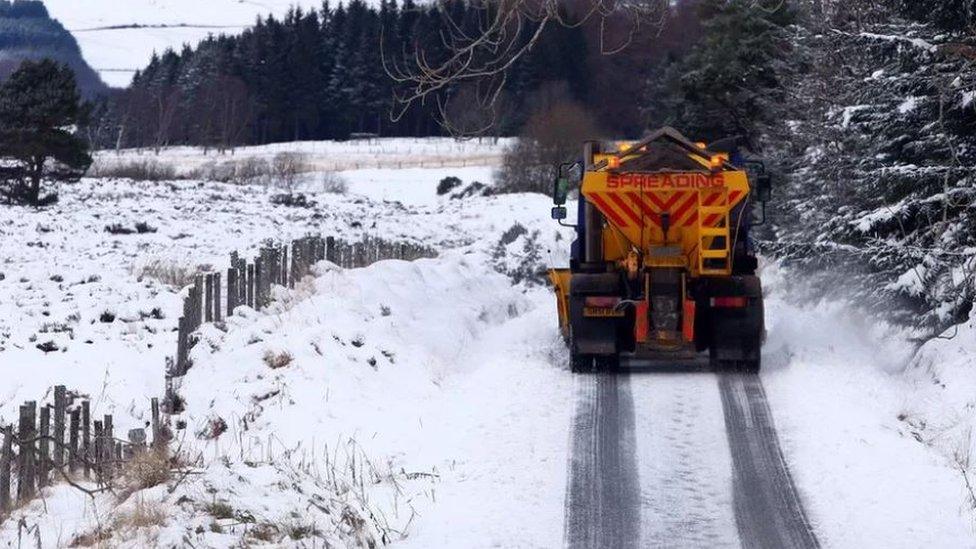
[(398, 391), (878, 436)]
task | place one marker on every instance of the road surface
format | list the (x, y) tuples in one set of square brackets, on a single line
[(679, 459)]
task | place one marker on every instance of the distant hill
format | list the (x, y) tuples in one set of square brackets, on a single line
[(28, 32), (119, 37)]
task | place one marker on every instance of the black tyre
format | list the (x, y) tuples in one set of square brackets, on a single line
[(607, 363), (578, 363)]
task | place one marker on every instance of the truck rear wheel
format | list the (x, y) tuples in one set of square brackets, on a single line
[(578, 362), (737, 332)]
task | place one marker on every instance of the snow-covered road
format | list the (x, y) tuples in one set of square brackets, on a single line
[(682, 460)]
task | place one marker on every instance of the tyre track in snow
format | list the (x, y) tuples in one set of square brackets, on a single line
[(767, 507), (603, 496), (700, 466)]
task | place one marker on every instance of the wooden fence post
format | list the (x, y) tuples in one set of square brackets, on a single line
[(73, 428), (86, 436), (330, 249), (284, 266), (216, 297), (182, 346), (108, 447), (208, 298), (197, 298), (96, 454), (60, 404), (232, 292), (250, 285), (26, 432), (44, 456), (293, 266), (6, 457), (156, 442), (258, 283)]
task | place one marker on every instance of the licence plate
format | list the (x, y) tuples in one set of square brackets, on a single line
[(602, 312)]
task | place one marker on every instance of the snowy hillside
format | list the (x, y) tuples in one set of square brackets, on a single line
[(117, 42)]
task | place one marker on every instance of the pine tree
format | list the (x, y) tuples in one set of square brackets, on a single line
[(38, 104), (731, 82)]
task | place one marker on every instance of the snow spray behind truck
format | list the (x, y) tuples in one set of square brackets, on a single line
[(662, 267)]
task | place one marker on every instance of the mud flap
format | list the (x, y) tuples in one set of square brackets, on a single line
[(737, 333), (593, 336)]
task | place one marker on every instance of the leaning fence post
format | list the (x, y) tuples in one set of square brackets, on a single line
[(6, 457), (26, 431), (43, 456)]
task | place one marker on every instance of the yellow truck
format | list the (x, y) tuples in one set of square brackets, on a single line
[(662, 267)]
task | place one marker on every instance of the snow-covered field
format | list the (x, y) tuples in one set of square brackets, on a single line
[(117, 42), (426, 404), (361, 155)]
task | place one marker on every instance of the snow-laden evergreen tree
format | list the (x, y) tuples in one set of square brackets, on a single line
[(881, 196)]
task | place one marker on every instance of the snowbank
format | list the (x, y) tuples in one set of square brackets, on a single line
[(848, 398)]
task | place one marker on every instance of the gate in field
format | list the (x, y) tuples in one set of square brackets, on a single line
[(62, 440)]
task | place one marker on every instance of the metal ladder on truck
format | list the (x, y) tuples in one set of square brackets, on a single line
[(714, 242)]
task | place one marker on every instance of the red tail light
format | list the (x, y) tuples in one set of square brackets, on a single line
[(604, 302), (730, 302)]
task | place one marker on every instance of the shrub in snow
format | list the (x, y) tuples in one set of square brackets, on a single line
[(143, 228), (518, 254), (169, 272), (448, 184), (252, 170), (146, 469), (147, 169), (277, 360), (48, 347), (118, 229), (334, 183), (286, 167), (550, 138), (298, 200), (215, 427), (476, 188)]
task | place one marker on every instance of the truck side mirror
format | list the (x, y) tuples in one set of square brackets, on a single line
[(566, 174), (764, 187), (560, 191), (559, 213)]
